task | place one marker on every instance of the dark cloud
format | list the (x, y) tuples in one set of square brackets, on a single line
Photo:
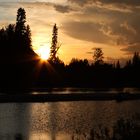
[(103, 24), (132, 48), (98, 21), (62, 9), (117, 32), (125, 34), (87, 31), (127, 2), (81, 2), (121, 31), (127, 29)]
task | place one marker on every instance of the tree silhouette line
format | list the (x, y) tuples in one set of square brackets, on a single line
[(21, 67)]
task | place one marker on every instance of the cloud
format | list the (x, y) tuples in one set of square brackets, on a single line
[(100, 26), (128, 27), (110, 22), (13, 1), (112, 5), (132, 48), (87, 31), (127, 2), (62, 8), (81, 2)]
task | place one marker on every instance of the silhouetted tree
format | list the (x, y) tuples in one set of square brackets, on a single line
[(15, 48), (15, 39), (136, 59), (79, 62), (98, 56), (54, 46), (10, 29), (128, 64), (20, 21), (22, 32), (28, 40), (118, 65)]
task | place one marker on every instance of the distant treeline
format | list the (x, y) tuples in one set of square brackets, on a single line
[(21, 67)]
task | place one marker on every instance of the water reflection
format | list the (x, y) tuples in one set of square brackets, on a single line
[(63, 120), (14, 121), (70, 90), (78, 118), (53, 113)]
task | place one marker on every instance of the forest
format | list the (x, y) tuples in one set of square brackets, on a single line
[(22, 68)]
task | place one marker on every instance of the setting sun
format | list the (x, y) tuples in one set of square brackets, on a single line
[(44, 52)]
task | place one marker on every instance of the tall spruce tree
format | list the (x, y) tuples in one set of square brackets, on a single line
[(54, 46), (23, 34), (15, 40), (20, 21)]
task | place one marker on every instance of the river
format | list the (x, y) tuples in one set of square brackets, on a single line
[(61, 120)]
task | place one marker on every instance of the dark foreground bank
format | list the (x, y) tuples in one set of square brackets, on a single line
[(54, 97)]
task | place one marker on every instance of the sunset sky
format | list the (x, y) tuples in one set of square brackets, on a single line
[(112, 25)]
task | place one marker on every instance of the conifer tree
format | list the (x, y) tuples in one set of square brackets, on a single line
[(20, 21), (54, 46), (28, 39), (22, 33), (136, 59)]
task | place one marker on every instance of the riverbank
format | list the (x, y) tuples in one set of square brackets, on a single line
[(55, 97)]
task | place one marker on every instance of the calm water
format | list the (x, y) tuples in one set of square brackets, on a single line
[(61, 120)]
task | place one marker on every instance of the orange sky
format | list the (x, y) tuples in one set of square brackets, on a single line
[(82, 25)]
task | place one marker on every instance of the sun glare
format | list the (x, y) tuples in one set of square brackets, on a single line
[(44, 52)]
